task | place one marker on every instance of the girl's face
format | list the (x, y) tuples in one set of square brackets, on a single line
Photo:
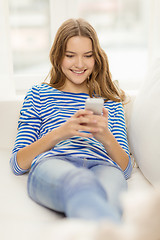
[(78, 64)]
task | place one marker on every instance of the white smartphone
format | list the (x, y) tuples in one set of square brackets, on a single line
[(95, 105)]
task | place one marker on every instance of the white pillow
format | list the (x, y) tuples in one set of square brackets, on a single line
[(144, 126)]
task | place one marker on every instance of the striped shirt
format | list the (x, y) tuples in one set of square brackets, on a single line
[(46, 108)]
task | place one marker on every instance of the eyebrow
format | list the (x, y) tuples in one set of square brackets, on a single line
[(75, 52)]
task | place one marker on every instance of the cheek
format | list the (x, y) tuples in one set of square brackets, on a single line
[(66, 63)]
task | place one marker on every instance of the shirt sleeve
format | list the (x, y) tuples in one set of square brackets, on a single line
[(15, 167), (127, 172), (120, 134), (28, 126)]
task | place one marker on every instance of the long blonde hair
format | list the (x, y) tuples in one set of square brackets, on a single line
[(100, 82)]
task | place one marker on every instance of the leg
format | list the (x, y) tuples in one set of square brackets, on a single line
[(61, 186), (45, 182), (114, 183), (86, 198)]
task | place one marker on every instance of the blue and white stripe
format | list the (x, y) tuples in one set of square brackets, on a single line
[(46, 108)]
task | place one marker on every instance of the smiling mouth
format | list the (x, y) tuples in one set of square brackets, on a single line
[(78, 72)]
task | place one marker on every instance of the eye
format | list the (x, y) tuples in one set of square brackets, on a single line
[(69, 55), (89, 56)]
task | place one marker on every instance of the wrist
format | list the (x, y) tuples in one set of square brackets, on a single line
[(108, 139), (55, 137)]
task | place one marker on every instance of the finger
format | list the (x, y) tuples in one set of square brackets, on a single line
[(87, 129), (83, 112), (82, 124), (105, 113), (86, 120), (77, 123)]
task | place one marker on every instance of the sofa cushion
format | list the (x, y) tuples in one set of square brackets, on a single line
[(144, 127)]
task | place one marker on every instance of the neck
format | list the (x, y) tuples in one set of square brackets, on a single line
[(75, 88)]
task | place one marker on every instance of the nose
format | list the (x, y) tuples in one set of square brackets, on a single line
[(79, 63)]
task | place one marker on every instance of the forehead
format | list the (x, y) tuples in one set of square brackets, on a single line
[(79, 43)]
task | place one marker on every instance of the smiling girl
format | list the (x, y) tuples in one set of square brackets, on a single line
[(78, 162)]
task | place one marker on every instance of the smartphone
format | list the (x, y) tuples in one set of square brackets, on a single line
[(95, 105)]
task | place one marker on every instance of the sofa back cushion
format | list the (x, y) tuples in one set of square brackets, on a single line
[(8, 121), (144, 126)]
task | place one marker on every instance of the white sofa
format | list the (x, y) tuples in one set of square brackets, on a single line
[(20, 217)]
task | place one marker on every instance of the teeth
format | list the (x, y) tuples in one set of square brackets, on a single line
[(79, 72)]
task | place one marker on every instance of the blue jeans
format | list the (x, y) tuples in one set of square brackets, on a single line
[(79, 188)]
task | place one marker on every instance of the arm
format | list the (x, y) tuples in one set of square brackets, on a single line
[(115, 151), (26, 154), (114, 141), (72, 127)]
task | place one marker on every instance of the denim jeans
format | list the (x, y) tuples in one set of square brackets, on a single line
[(79, 188)]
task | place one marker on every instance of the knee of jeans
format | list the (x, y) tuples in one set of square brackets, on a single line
[(79, 180)]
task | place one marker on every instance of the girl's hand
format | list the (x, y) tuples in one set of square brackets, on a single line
[(97, 126), (101, 125), (81, 121)]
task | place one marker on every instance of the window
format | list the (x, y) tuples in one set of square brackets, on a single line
[(30, 40), (121, 25)]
